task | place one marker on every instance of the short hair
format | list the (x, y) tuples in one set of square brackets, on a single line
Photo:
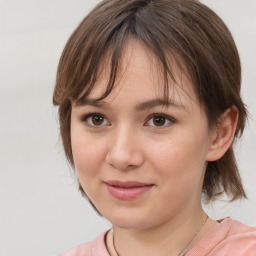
[(185, 31)]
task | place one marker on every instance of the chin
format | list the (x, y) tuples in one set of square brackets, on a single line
[(130, 221), (130, 224)]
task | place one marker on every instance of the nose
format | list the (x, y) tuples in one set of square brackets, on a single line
[(124, 150)]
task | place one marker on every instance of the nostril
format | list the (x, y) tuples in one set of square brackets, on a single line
[(124, 159)]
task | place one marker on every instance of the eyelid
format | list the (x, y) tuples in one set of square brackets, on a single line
[(169, 118), (85, 118)]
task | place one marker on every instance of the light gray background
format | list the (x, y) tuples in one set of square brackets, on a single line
[(41, 212)]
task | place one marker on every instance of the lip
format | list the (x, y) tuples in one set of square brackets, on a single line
[(127, 190)]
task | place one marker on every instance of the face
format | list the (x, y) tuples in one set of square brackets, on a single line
[(141, 160)]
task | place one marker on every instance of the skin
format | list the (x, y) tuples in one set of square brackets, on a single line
[(122, 141)]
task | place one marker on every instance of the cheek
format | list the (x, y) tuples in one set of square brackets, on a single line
[(87, 154), (181, 158), (87, 159)]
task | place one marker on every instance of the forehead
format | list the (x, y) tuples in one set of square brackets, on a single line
[(141, 71)]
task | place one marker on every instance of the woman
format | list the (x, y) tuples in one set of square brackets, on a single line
[(149, 107)]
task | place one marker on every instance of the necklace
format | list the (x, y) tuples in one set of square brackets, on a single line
[(182, 253)]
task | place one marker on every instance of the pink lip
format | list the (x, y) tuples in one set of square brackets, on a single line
[(127, 190)]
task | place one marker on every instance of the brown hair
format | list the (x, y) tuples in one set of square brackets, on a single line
[(184, 30)]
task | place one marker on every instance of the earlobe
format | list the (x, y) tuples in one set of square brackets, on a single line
[(223, 135)]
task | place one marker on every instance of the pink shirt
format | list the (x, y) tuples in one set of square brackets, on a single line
[(229, 238)]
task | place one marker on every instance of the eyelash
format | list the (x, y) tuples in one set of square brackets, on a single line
[(85, 119), (166, 118)]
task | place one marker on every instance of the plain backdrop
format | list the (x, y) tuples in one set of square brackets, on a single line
[(41, 212)]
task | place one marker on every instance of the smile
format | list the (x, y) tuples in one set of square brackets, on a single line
[(127, 190)]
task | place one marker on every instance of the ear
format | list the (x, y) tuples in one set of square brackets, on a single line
[(223, 135)]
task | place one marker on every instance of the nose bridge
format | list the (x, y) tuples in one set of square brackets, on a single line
[(124, 149)]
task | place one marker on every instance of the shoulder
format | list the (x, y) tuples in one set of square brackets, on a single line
[(240, 240), (95, 247), (230, 237)]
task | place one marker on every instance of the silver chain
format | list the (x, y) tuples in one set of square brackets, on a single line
[(183, 251)]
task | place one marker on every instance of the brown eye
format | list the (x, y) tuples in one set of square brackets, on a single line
[(159, 120), (94, 119), (97, 120)]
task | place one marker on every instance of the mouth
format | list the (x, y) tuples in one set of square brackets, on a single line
[(127, 190)]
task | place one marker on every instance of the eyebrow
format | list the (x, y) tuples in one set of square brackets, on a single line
[(157, 102), (140, 107), (92, 102)]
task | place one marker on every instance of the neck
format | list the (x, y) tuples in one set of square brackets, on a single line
[(168, 238)]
